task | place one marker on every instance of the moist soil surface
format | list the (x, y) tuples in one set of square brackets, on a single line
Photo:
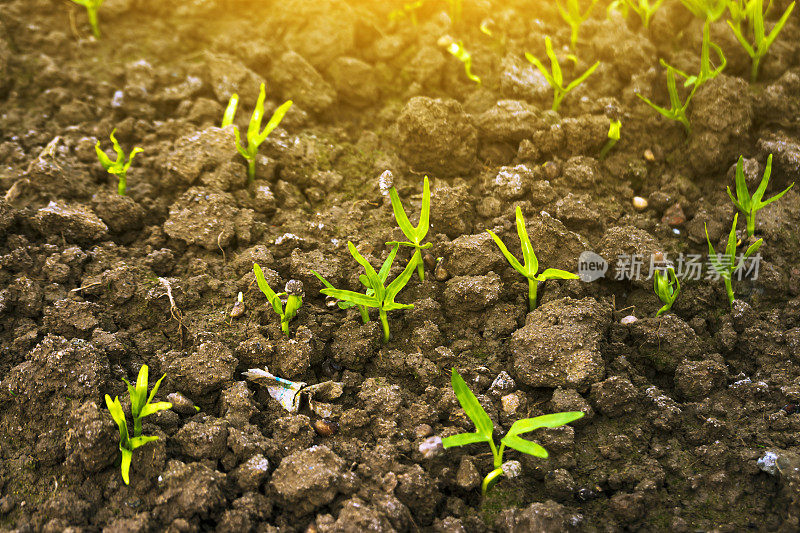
[(692, 419)]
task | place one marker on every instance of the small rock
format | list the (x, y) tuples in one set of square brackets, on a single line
[(768, 463), (630, 319), (431, 447), (422, 431), (511, 469), (181, 404), (674, 216), (252, 473), (639, 203), (75, 223), (467, 476), (510, 403)]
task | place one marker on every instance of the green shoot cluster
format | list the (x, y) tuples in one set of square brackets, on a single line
[(677, 109), (666, 287), (485, 430), (573, 16), (255, 135), (415, 235), (556, 78), (141, 407), (91, 10), (294, 298), (725, 264), (118, 168), (531, 266), (645, 9), (409, 9), (456, 48), (747, 204), (761, 41), (613, 136), (377, 295)]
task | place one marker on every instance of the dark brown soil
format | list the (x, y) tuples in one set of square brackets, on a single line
[(692, 419)]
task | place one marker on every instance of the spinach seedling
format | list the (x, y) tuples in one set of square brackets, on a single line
[(725, 264), (382, 297), (556, 78), (677, 110), (415, 235), (294, 297), (613, 136), (255, 135), (573, 16), (666, 287), (531, 267), (747, 204), (118, 168), (456, 48), (141, 407), (91, 10), (383, 274), (485, 430), (762, 41)]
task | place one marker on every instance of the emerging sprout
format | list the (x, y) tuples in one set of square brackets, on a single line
[(255, 136), (667, 287), (91, 10), (613, 136), (725, 264), (409, 9), (677, 110), (415, 235), (708, 10), (761, 41), (556, 79), (645, 9), (456, 48), (118, 168), (294, 297), (382, 297), (383, 273), (747, 204), (572, 15), (485, 430), (531, 262), (140, 408)]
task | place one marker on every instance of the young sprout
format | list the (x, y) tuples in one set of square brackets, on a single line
[(677, 110), (708, 10), (383, 273), (645, 9), (91, 10), (118, 168), (294, 297), (747, 204), (415, 235), (255, 136), (572, 15), (667, 287), (556, 79), (409, 9), (725, 265), (531, 262), (141, 407), (485, 430), (762, 41), (382, 297), (456, 48), (613, 136)]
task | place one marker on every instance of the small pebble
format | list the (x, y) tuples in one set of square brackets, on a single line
[(325, 427), (630, 319), (422, 431), (674, 216), (238, 307), (511, 469), (510, 403), (768, 463), (181, 404), (639, 203), (649, 156), (431, 447)]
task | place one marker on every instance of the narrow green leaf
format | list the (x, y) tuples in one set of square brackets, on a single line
[(125, 467), (276, 119), (425, 212), (400, 281), (258, 114), (528, 255), (151, 408), (401, 217), (136, 442), (267, 290), (356, 298), (462, 439), (155, 388), (383, 273), (524, 446), (374, 280), (580, 79), (230, 111), (553, 420), (753, 249), (510, 258), (104, 159), (322, 280), (471, 406), (554, 273)]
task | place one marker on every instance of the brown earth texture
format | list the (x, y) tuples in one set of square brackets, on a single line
[(692, 419)]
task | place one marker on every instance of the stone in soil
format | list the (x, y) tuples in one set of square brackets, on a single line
[(73, 222)]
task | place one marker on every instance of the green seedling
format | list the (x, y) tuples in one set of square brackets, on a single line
[(620, 6), (293, 294), (573, 16), (677, 110), (456, 9), (645, 9), (141, 406), (761, 41), (667, 287), (255, 135), (456, 48), (556, 78), (531, 266), (613, 136), (383, 274), (415, 235), (744, 10), (409, 10), (118, 168), (725, 264), (382, 297), (708, 10), (747, 204), (91, 10), (485, 430)]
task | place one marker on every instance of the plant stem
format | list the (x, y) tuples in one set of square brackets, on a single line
[(533, 287), (251, 171), (137, 427), (754, 69), (420, 265), (751, 224), (729, 290), (384, 325), (93, 22), (122, 184), (364, 313), (490, 480), (285, 326)]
